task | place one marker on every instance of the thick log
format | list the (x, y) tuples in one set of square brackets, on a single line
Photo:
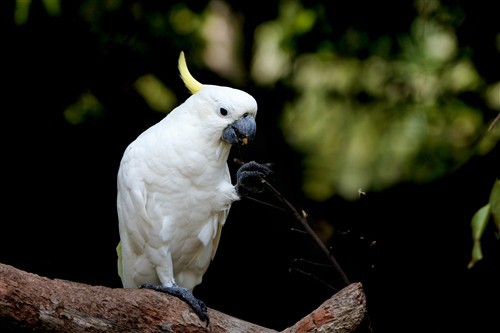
[(40, 304), (341, 313)]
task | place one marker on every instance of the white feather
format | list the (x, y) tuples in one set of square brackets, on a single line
[(175, 191)]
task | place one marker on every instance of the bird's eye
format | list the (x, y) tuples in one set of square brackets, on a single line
[(223, 112)]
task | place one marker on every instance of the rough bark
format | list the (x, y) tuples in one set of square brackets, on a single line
[(39, 304)]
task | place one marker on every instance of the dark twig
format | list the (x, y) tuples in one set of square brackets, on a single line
[(302, 219), (313, 277), (264, 203), (298, 230), (494, 122), (313, 263)]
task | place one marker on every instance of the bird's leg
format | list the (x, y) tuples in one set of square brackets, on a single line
[(250, 177), (198, 306)]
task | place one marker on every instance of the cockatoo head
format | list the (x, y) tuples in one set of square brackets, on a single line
[(224, 110)]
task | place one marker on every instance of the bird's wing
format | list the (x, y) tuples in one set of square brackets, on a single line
[(221, 219), (135, 223)]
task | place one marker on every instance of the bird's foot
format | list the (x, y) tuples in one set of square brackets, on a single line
[(251, 176), (198, 306)]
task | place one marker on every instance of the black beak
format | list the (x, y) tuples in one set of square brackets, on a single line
[(241, 132)]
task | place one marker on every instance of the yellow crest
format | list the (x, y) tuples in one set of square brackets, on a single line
[(191, 83)]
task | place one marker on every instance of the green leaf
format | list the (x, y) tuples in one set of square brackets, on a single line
[(478, 224), (495, 203), (477, 254)]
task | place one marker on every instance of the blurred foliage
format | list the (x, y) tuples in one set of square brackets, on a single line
[(155, 93), (86, 106), (367, 110), (52, 7), (386, 118)]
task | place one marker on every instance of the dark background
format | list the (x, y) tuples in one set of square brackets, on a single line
[(409, 245)]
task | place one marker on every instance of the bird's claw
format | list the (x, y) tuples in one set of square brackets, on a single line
[(251, 176), (198, 306)]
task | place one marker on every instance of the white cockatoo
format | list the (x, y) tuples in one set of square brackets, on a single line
[(175, 189)]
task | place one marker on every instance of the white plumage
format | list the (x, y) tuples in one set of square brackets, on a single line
[(175, 190)]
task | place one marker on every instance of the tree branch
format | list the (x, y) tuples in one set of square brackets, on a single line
[(302, 218), (35, 303)]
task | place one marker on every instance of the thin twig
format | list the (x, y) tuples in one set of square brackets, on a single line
[(264, 203), (302, 219), (494, 122), (310, 231), (310, 262), (314, 277), (298, 230)]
